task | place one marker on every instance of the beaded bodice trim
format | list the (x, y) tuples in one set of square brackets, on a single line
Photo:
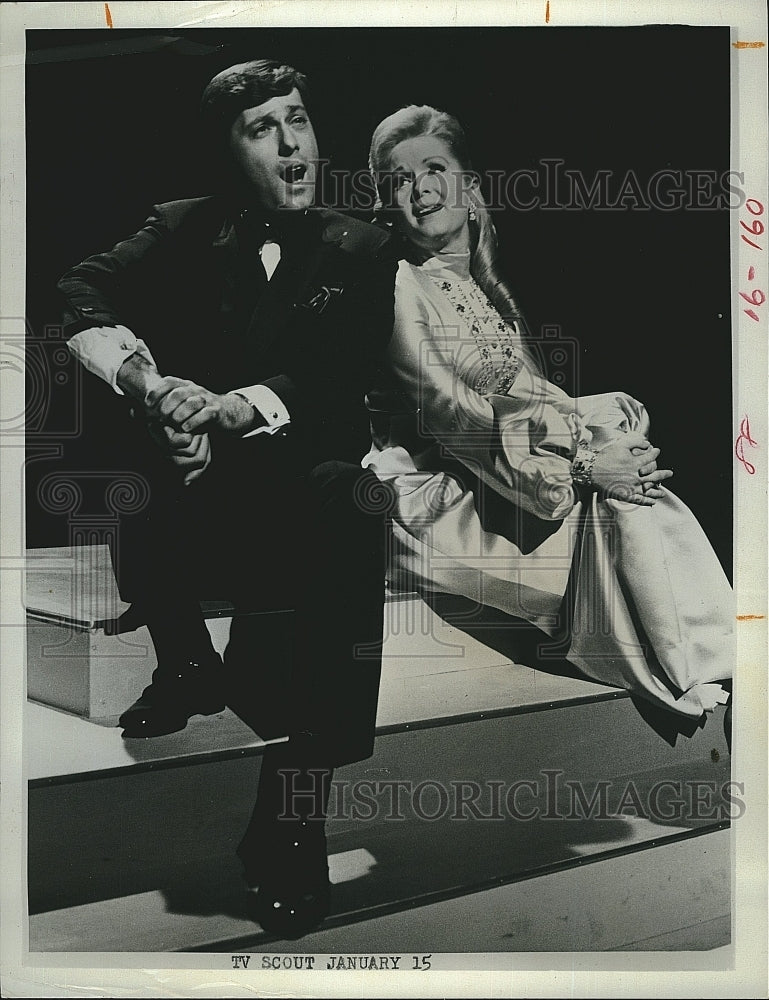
[(490, 332)]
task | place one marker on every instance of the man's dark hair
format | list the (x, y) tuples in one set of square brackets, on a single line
[(246, 86)]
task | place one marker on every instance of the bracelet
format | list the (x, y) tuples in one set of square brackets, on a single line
[(582, 464)]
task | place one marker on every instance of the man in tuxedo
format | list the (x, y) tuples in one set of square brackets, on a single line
[(243, 331)]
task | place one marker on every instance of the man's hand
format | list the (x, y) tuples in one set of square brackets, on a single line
[(136, 377), (191, 453), (190, 408)]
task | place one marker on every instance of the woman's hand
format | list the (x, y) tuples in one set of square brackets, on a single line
[(651, 477), (627, 470)]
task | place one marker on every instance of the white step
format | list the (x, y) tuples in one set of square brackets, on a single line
[(430, 670), (74, 664)]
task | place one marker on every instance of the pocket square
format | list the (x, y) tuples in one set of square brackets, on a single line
[(318, 302)]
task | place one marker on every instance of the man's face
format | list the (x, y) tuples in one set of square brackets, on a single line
[(274, 145)]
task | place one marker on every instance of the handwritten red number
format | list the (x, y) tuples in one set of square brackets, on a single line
[(756, 228), (739, 445)]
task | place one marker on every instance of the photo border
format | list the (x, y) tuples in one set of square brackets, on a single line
[(546, 974)]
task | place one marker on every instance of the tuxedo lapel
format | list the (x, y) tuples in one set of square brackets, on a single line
[(227, 260)]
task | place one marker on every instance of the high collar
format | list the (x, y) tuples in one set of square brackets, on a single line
[(451, 266)]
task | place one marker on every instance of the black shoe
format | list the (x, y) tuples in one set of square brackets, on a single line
[(291, 876), (290, 911), (173, 697)]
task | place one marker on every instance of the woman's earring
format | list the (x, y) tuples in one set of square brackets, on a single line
[(471, 213)]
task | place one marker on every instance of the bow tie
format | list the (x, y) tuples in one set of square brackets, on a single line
[(282, 227)]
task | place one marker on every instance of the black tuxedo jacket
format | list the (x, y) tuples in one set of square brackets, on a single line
[(190, 284)]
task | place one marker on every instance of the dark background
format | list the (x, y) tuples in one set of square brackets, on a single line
[(642, 297)]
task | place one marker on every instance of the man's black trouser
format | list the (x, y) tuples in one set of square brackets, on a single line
[(261, 530)]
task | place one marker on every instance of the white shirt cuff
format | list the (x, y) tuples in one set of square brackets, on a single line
[(103, 349), (271, 407)]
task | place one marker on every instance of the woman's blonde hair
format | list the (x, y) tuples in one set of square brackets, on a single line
[(420, 120)]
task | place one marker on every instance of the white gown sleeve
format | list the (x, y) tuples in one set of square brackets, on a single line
[(519, 444)]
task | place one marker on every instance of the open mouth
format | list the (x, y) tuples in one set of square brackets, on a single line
[(293, 173), (421, 213)]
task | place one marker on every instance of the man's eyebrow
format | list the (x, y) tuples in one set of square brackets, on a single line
[(270, 116), (258, 120)]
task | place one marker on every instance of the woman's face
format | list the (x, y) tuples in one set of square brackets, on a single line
[(430, 194)]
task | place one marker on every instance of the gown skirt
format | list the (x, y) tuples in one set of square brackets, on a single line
[(638, 591)]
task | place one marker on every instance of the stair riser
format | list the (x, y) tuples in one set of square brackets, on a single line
[(93, 675)]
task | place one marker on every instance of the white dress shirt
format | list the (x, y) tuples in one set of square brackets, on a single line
[(102, 350)]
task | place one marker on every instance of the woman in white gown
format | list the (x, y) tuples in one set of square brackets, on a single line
[(510, 492)]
